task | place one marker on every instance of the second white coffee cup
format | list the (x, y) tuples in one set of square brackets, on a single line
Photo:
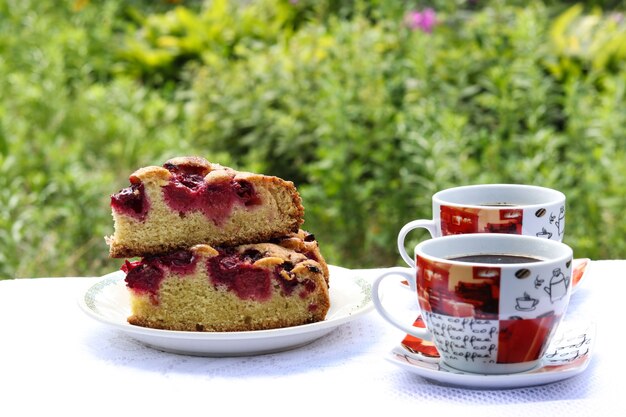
[(492, 208)]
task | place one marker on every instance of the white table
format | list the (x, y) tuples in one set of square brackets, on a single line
[(54, 358)]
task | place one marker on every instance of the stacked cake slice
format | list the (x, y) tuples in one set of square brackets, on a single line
[(220, 250)]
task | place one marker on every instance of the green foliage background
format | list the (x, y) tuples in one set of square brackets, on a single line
[(368, 117)]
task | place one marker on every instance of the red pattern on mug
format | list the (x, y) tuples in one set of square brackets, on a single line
[(524, 340), (475, 293), (463, 220)]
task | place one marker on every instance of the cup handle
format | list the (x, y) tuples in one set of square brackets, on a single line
[(413, 331), (415, 224)]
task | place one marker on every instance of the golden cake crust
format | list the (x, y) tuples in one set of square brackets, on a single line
[(276, 212), (305, 242)]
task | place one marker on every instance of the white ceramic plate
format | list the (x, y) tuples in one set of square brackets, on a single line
[(108, 302), (568, 355)]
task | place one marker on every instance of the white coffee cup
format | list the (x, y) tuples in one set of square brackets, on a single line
[(492, 208), (486, 315)]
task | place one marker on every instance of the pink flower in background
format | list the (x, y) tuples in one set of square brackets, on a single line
[(424, 20)]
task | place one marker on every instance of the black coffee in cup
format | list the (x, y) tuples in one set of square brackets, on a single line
[(495, 258), (498, 204)]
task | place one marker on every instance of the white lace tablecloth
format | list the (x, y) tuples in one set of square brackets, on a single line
[(55, 359)]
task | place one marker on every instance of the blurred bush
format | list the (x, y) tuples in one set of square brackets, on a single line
[(371, 118), (367, 112)]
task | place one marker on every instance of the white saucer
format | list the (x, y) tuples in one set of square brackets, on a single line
[(108, 302), (579, 267), (568, 355)]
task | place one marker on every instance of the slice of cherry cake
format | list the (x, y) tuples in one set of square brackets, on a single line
[(222, 289), (191, 201)]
